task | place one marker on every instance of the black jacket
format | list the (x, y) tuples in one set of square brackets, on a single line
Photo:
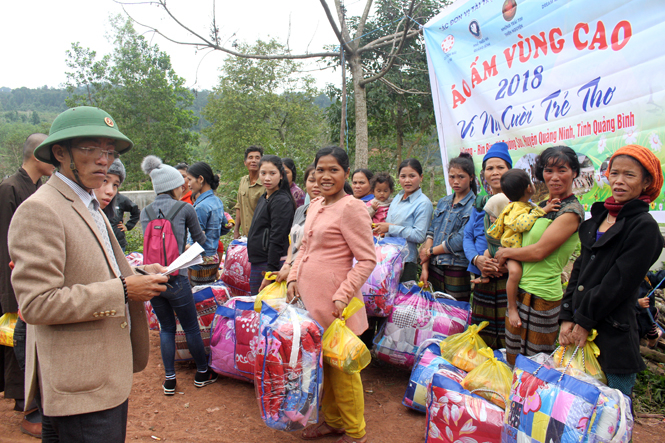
[(268, 238), (124, 204), (604, 282), (13, 191)]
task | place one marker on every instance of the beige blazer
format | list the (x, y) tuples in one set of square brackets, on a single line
[(78, 337)]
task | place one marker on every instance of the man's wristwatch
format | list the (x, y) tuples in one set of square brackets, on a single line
[(431, 250)]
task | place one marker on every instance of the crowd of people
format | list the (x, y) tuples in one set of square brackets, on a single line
[(83, 304)]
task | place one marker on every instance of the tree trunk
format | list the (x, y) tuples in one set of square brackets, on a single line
[(362, 139)]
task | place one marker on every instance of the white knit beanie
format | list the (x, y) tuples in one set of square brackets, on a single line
[(164, 177)]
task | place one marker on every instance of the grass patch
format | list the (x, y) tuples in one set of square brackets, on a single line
[(649, 393)]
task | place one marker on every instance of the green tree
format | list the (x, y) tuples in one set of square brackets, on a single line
[(137, 85), (34, 118), (262, 102)]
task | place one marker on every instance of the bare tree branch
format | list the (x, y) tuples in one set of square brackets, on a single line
[(336, 30), (387, 40), (386, 68), (401, 91), (361, 24), (207, 43), (342, 21)]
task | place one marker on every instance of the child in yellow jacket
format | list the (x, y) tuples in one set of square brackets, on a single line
[(516, 218)]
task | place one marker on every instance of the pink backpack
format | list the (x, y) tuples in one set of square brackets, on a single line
[(159, 242)]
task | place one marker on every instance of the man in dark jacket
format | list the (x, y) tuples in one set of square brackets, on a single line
[(124, 204), (13, 191)]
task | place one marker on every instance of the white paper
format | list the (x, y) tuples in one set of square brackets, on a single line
[(191, 257)]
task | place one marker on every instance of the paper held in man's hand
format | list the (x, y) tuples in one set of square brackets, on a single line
[(190, 257)]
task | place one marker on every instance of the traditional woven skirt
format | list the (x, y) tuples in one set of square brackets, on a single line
[(540, 327), (256, 276), (410, 272), (489, 304), (453, 280)]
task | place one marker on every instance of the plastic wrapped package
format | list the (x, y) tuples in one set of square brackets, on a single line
[(380, 289), (223, 340), (490, 378), (586, 359), (288, 374), (555, 404), (342, 348), (418, 315), (246, 324), (457, 415), (134, 259), (7, 325), (428, 362), (462, 349), (237, 268), (273, 294), (218, 289), (153, 322)]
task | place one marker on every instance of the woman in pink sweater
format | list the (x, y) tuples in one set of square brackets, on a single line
[(337, 230)]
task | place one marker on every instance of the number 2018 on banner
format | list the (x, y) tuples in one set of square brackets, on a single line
[(514, 85)]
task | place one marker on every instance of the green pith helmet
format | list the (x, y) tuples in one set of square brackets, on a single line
[(83, 121)]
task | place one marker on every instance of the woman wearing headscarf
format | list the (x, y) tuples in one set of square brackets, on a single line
[(620, 242)]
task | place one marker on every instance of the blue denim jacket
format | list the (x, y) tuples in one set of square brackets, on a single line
[(210, 211), (448, 226)]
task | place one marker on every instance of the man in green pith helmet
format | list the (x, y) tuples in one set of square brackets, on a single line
[(87, 330)]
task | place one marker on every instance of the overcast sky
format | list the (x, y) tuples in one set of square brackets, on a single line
[(36, 33)]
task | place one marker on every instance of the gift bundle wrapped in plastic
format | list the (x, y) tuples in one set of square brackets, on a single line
[(419, 315), (462, 349), (490, 379), (223, 339), (380, 289), (455, 414), (237, 268), (428, 363), (563, 405), (288, 372)]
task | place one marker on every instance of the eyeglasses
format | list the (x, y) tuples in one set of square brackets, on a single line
[(98, 153)]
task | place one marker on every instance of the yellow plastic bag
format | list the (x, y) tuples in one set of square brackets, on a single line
[(462, 349), (342, 348), (7, 325), (586, 359), (492, 375), (272, 294)]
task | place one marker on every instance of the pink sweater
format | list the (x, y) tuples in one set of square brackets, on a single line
[(334, 236)]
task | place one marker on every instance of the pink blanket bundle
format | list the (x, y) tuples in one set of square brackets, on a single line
[(418, 316), (223, 340), (237, 268), (246, 323)]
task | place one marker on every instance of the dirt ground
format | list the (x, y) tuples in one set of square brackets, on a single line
[(227, 411)]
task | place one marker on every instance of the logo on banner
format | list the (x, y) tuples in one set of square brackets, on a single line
[(474, 29), (509, 10), (447, 43)]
